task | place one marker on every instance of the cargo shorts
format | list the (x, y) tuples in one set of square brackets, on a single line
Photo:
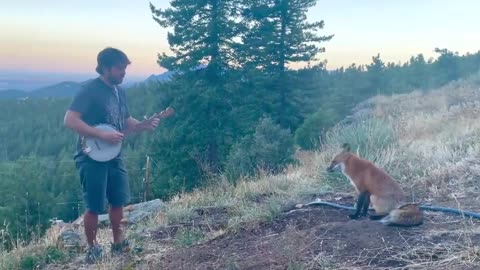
[(103, 182)]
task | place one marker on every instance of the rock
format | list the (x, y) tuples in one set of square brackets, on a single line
[(70, 240), (133, 213)]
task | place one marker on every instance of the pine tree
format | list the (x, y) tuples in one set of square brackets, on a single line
[(204, 33), (376, 74), (278, 35)]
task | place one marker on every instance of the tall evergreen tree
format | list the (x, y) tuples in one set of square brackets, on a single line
[(204, 33), (278, 35), (376, 72)]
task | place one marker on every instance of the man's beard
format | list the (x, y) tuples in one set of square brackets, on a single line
[(113, 80)]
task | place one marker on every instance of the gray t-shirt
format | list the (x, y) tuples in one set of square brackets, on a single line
[(98, 103)]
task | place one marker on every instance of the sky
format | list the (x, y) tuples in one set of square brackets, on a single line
[(60, 39)]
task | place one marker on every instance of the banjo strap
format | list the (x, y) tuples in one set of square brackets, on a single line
[(120, 113)]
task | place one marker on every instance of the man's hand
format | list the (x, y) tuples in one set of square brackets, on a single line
[(151, 124), (112, 137), (135, 126)]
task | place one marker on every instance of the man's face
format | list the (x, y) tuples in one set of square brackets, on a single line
[(116, 73)]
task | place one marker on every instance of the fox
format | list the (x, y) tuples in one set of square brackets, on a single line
[(374, 185)]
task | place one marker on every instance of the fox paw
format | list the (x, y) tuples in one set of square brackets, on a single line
[(377, 217), (353, 216)]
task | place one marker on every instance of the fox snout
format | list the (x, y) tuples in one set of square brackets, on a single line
[(331, 168)]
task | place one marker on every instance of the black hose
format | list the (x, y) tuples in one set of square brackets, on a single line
[(423, 207), (450, 210), (318, 202)]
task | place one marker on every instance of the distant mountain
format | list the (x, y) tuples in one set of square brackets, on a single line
[(59, 90), (12, 94), (70, 88), (166, 76)]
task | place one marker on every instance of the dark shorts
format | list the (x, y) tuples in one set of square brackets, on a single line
[(102, 182)]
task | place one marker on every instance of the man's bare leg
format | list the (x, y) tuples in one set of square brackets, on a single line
[(116, 215), (90, 221)]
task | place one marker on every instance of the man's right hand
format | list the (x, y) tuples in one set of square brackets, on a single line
[(73, 121), (112, 137)]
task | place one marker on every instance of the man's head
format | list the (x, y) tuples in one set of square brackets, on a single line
[(111, 64)]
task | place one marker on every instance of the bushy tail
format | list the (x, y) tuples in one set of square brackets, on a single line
[(407, 215)]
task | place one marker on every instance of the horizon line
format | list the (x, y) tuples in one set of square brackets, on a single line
[(293, 66)]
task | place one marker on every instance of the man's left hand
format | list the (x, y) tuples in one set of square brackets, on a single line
[(151, 124)]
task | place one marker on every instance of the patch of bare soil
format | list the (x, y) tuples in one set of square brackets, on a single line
[(321, 237), (204, 219)]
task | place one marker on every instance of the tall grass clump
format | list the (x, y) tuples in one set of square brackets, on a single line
[(373, 139), (368, 138)]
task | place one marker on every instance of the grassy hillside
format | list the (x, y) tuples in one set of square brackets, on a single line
[(430, 142)]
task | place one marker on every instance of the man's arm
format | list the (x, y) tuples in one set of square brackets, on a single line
[(74, 121), (73, 117), (135, 126)]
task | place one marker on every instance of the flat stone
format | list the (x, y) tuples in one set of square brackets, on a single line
[(70, 240), (133, 213)]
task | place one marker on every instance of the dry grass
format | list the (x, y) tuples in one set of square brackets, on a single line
[(450, 254)]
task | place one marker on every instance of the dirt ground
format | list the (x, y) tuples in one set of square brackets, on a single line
[(321, 237)]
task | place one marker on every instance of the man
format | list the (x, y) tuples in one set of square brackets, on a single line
[(102, 101)]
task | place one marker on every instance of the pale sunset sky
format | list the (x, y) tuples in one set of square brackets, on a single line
[(63, 37)]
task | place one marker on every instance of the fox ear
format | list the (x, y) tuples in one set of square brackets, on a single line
[(346, 147)]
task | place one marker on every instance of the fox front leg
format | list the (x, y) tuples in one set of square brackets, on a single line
[(362, 197), (366, 204)]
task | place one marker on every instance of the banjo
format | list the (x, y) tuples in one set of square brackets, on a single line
[(100, 150)]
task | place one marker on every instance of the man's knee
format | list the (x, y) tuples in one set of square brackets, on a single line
[(92, 213), (116, 215), (116, 209)]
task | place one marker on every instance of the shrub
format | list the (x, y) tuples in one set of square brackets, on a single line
[(308, 135), (369, 138), (270, 149)]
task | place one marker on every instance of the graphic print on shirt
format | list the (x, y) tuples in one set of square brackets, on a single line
[(114, 116)]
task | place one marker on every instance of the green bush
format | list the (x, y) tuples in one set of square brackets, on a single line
[(30, 262), (270, 148), (308, 135), (39, 258), (54, 255)]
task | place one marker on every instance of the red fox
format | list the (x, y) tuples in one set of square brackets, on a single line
[(376, 186)]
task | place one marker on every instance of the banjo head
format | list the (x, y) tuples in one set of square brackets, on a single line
[(100, 150)]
